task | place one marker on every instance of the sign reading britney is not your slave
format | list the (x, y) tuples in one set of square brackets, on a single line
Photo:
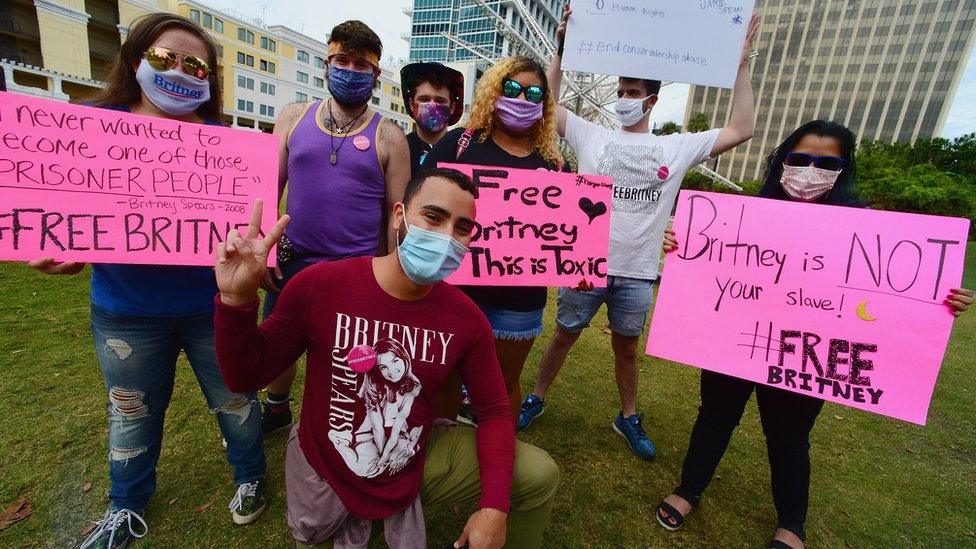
[(842, 304)]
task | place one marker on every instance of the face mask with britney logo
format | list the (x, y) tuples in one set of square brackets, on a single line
[(172, 91)]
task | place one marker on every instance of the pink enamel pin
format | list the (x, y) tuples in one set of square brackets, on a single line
[(361, 142), (361, 358)]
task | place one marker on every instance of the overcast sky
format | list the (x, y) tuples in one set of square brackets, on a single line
[(386, 17)]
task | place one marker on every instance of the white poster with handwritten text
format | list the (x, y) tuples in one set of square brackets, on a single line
[(690, 41)]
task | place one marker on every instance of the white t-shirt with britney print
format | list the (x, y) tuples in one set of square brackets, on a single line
[(647, 171)]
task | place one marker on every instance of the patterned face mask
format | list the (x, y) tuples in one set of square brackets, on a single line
[(807, 183), (432, 117), (350, 87)]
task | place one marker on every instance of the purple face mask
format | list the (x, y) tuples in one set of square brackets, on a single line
[(517, 115), (433, 117)]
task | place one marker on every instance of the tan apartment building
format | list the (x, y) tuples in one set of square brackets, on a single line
[(888, 69), (62, 49)]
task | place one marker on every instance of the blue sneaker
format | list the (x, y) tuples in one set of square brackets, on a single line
[(532, 407), (632, 430)]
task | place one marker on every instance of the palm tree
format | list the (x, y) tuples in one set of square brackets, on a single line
[(668, 128), (698, 122)]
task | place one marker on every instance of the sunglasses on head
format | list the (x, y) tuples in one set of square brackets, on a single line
[(513, 89), (164, 59), (832, 163)]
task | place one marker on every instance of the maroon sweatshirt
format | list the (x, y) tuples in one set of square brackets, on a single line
[(365, 433)]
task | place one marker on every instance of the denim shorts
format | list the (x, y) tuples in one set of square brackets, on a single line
[(514, 325), (627, 299)]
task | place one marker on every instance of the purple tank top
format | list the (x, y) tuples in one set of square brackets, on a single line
[(336, 211)]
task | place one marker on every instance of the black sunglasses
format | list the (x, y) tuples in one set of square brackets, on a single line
[(513, 89), (832, 163)]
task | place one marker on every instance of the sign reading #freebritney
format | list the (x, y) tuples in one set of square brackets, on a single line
[(86, 184), (841, 304), (537, 228)]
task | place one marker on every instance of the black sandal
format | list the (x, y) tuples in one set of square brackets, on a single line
[(779, 544), (669, 517)]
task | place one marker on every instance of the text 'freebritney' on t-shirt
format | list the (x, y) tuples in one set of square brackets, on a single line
[(647, 171), (365, 433)]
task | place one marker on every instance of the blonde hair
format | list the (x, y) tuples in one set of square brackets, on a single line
[(545, 138)]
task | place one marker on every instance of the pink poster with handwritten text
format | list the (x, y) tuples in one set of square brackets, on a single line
[(85, 184), (841, 304), (537, 228)]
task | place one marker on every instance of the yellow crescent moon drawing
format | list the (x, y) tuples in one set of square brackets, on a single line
[(862, 313)]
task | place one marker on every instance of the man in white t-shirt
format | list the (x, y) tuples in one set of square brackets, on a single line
[(647, 171)]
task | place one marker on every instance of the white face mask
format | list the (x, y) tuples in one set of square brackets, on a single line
[(807, 182), (174, 92), (630, 111)]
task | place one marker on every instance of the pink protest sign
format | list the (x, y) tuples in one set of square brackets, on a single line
[(841, 304), (85, 184), (537, 228)]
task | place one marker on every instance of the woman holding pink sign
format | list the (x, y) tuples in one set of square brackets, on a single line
[(512, 125), (143, 316), (814, 164)]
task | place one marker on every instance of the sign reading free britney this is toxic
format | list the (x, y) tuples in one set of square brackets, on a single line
[(842, 304), (95, 185), (536, 228)]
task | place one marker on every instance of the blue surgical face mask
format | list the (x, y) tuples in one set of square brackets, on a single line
[(428, 257), (350, 87)]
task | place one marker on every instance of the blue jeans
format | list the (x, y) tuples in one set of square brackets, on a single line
[(138, 360), (514, 325), (627, 299)]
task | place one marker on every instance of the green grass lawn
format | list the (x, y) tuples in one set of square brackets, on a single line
[(877, 482)]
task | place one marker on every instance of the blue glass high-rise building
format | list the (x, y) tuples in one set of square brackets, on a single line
[(467, 21)]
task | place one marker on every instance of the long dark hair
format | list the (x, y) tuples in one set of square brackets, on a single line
[(123, 89), (843, 192)]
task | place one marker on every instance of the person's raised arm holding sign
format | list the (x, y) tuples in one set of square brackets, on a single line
[(742, 122), (647, 171)]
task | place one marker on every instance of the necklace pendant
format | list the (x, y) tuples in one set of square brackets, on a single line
[(334, 158)]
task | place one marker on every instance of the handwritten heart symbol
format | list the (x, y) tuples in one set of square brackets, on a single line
[(592, 210)]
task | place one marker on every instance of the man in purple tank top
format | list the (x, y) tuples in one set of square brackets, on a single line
[(344, 166)]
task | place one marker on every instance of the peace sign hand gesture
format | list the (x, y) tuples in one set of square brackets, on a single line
[(243, 261)]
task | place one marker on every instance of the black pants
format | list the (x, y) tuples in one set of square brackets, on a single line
[(787, 419)]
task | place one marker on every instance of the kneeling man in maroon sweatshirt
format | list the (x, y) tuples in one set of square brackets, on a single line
[(381, 335)]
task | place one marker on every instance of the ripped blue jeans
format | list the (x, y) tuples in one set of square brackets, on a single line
[(138, 360)]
